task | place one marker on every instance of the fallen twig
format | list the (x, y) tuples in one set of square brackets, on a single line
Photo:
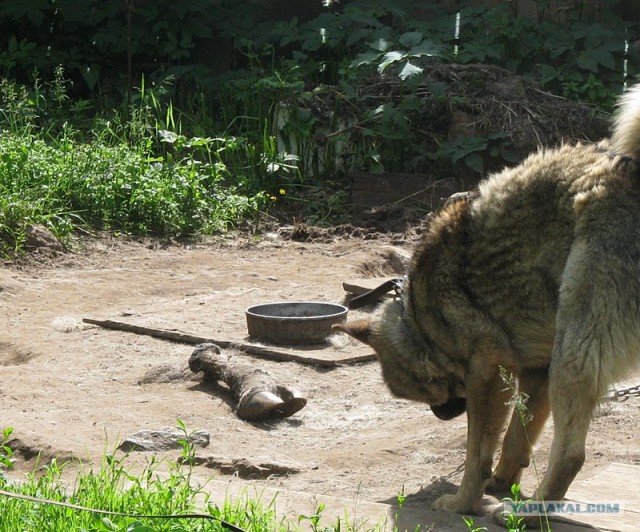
[(186, 338)]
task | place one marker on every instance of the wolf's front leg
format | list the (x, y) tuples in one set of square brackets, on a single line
[(486, 414), (523, 432)]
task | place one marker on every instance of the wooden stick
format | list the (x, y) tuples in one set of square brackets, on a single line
[(173, 335), (185, 338)]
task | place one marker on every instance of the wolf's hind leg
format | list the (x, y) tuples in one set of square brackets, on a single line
[(573, 402), (592, 337)]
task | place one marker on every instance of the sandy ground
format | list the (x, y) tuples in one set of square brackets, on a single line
[(69, 389)]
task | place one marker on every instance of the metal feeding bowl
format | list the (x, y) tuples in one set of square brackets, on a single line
[(294, 323)]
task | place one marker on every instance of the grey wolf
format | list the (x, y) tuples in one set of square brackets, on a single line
[(536, 272)]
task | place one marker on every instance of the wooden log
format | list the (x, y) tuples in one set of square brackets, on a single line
[(259, 395)]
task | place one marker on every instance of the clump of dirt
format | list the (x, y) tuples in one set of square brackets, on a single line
[(480, 99), (511, 113)]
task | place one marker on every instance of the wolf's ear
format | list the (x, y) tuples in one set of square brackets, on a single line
[(359, 329)]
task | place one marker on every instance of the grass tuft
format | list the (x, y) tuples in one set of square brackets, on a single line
[(150, 491), (128, 174), (113, 488)]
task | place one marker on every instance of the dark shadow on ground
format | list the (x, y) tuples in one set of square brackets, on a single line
[(416, 510)]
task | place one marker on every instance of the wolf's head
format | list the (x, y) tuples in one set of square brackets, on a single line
[(408, 361)]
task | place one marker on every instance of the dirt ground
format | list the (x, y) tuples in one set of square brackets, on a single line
[(71, 389)]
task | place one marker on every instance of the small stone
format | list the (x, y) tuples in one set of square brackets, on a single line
[(38, 236), (163, 440)]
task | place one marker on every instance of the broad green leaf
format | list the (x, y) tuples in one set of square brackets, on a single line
[(388, 59), (604, 57), (474, 161), (366, 58), (410, 39), (428, 48), (168, 136), (382, 45), (587, 61), (409, 70), (90, 74), (358, 35)]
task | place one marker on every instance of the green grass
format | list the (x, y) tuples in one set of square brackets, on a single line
[(128, 173), (114, 489), (152, 491), (159, 488), (66, 185)]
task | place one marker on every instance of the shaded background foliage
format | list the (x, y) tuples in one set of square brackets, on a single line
[(103, 43), (299, 72)]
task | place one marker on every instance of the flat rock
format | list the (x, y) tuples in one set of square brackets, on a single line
[(163, 440), (38, 236)]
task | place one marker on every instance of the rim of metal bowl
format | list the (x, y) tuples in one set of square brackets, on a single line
[(341, 310)]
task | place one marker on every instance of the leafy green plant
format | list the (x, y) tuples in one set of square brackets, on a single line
[(471, 526), (115, 488), (17, 114), (580, 57), (512, 521), (411, 46), (6, 453), (188, 450), (314, 519), (401, 498), (131, 177)]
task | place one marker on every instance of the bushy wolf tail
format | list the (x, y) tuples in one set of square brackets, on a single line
[(625, 139)]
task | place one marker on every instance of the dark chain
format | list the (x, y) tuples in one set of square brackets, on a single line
[(622, 395), (398, 287)]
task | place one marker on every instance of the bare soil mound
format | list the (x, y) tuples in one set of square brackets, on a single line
[(70, 389)]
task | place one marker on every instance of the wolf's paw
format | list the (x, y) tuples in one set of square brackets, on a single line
[(500, 517), (454, 504), (498, 486)]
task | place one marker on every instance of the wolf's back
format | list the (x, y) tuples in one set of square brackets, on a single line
[(625, 139)]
